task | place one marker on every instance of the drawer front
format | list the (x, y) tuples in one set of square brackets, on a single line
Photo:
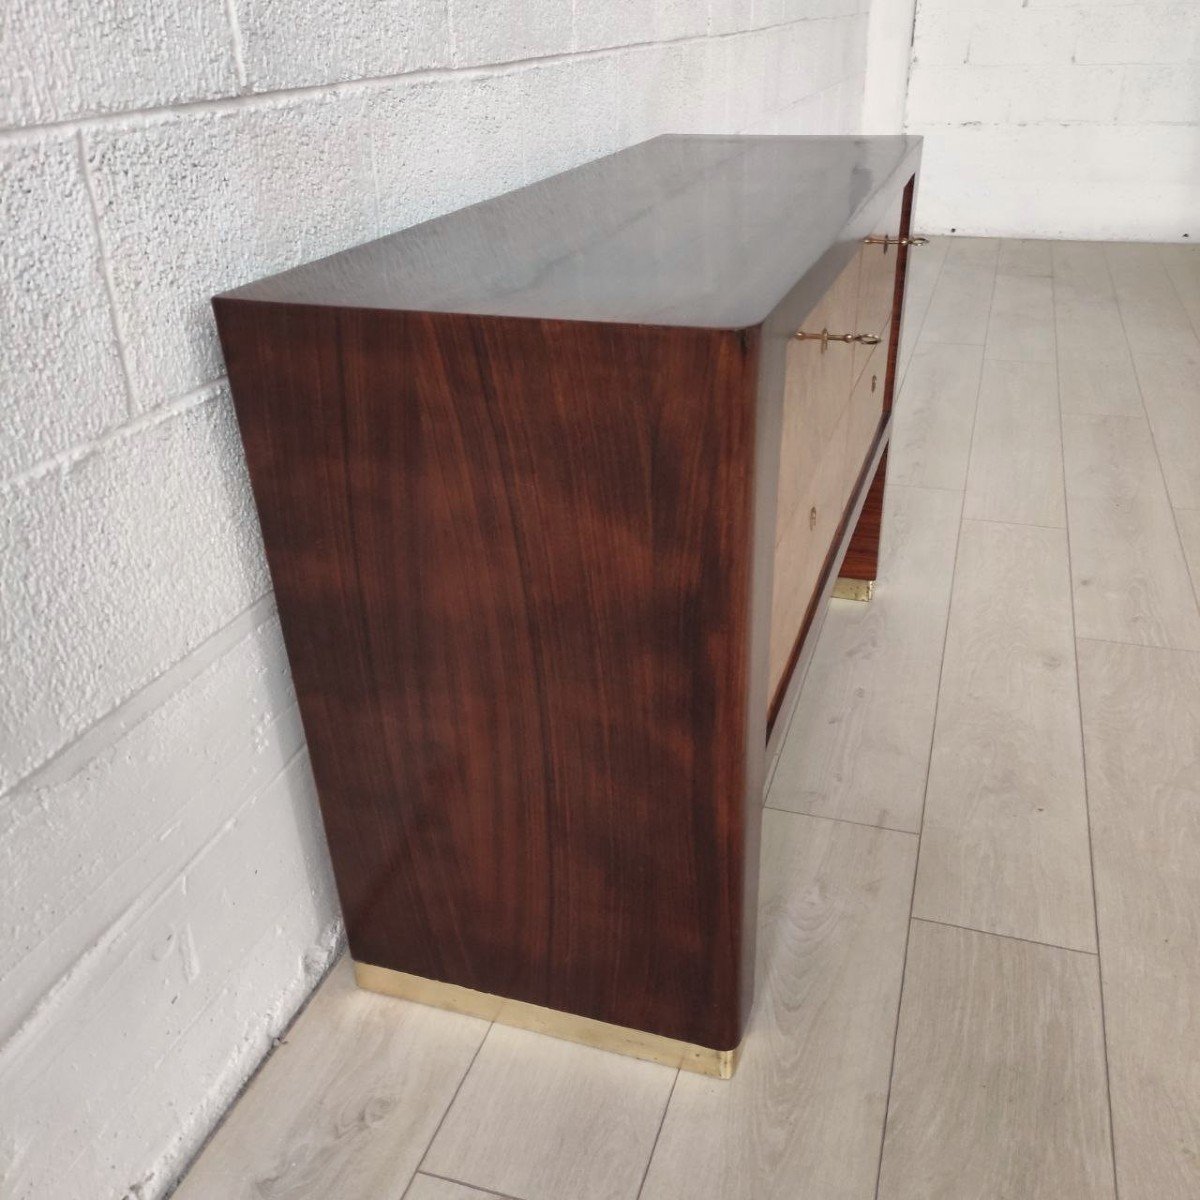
[(816, 389), (865, 411), (813, 486), (800, 553)]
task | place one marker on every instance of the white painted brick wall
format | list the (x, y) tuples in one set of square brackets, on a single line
[(165, 900), (1058, 118)]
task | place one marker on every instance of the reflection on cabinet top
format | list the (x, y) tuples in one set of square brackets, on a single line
[(705, 231)]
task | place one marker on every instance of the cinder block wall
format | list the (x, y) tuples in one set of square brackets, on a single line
[(165, 901), (1058, 118)]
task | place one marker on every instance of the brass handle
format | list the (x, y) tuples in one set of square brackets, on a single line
[(885, 242), (825, 337)]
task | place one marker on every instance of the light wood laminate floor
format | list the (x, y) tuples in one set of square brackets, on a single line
[(980, 920)]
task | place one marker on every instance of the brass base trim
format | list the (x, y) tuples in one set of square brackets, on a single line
[(600, 1035), (853, 589)]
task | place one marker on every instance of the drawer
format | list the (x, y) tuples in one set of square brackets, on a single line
[(865, 410), (801, 550), (816, 391)]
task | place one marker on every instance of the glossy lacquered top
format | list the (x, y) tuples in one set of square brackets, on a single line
[(708, 231)]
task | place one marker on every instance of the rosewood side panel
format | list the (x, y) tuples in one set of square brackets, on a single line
[(497, 545), (534, 481)]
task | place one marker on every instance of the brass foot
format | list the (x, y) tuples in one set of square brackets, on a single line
[(853, 589), (600, 1035)]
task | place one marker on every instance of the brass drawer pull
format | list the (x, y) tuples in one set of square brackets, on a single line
[(885, 242), (825, 337)]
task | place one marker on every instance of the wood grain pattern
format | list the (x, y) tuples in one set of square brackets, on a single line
[(998, 1088), (543, 1119), (524, 566), (1156, 323), (871, 402), (1025, 256), (1129, 577), (813, 490), (1021, 321), (1171, 393), (935, 416), (1095, 370), (804, 1113), (784, 700), (962, 301), (1005, 843), (1081, 271), (475, 527), (1016, 469), (1140, 723), (1182, 265), (858, 748), (345, 1106), (862, 555), (833, 420)]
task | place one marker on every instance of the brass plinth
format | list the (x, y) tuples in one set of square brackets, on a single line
[(853, 589), (599, 1034)]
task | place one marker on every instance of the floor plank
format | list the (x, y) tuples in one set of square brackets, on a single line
[(1129, 578), (1182, 265), (962, 300), (1025, 256), (430, 1187), (542, 1119), (1005, 842), (1081, 272), (998, 1089), (803, 1116), (1171, 391), (1021, 323), (1095, 368), (935, 416), (345, 1106), (858, 747), (1015, 471), (1141, 712), (1156, 323), (1094, 364)]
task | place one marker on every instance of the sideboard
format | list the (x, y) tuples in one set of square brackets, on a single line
[(554, 490)]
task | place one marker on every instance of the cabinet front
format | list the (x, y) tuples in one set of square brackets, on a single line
[(833, 406)]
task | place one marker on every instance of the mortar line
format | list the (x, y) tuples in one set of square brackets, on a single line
[(135, 118), (149, 696), (138, 423)]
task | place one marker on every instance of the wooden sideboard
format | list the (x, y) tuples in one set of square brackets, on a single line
[(553, 496)]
